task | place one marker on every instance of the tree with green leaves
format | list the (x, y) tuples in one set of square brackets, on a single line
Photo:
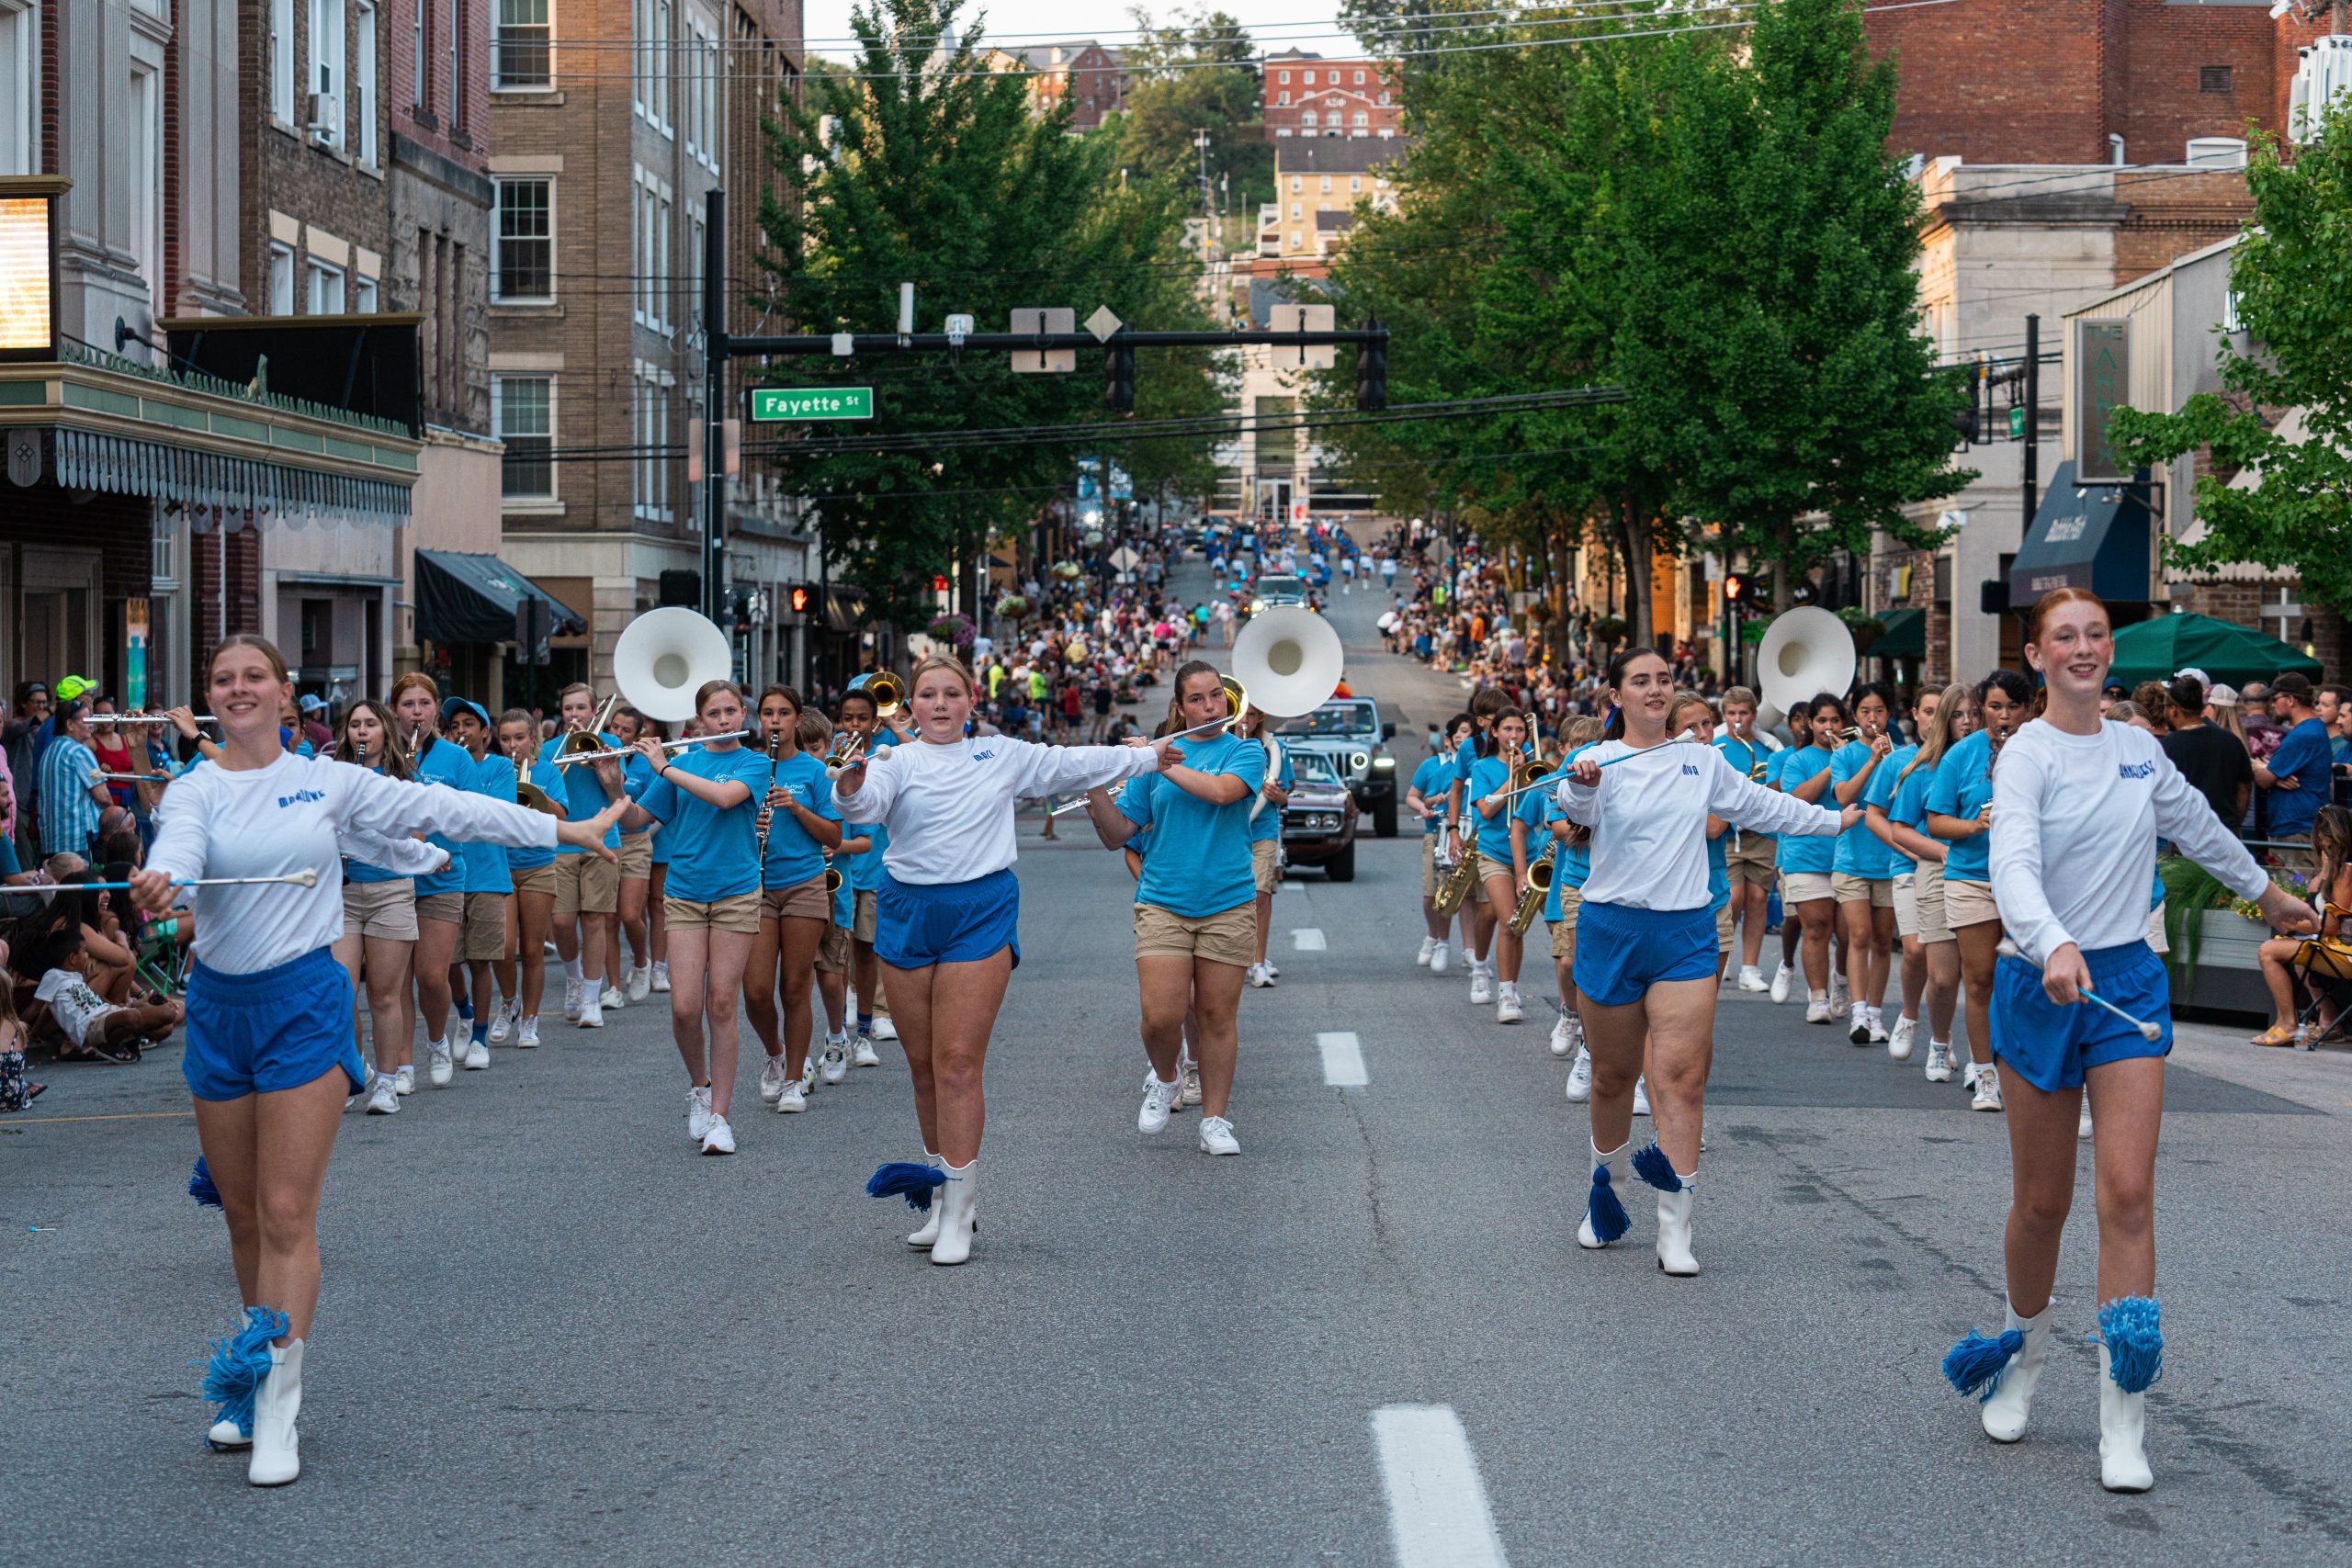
[(2291, 272), (1200, 76)]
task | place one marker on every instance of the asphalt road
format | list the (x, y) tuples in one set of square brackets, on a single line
[(552, 1334)]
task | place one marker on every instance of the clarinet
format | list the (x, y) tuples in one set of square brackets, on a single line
[(767, 812)]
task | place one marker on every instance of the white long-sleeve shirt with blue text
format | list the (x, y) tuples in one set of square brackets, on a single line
[(1648, 819), (949, 808)]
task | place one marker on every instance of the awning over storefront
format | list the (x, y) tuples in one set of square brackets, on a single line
[(1906, 636), (844, 609), (2094, 537), (231, 492), (464, 597)]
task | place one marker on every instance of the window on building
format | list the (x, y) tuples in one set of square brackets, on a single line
[(363, 81), (456, 63), (2217, 153), (1308, 119), (1296, 185), (19, 27), (323, 293), (280, 279), (519, 54), (1293, 238), (147, 182), (522, 260), (1297, 210), (1362, 117), (325, 119), (1359, 79), (1327, 184), (419, 54), (1355, 184), (365, 296), (1285, 75), (664, 14), (521, 415), (1286, 101), (2215, 78), (1383, 100), (1384, 135), (281, 60)]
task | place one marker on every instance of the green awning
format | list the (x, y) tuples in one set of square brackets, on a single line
[(1906, 636), (2154, 649)]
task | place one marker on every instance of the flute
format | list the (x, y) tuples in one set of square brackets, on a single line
[(666, 745), (142, 718)]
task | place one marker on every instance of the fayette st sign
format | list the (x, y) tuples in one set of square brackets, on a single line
[(774, 404)]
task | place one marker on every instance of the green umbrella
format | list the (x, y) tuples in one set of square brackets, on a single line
[(2154, 649)]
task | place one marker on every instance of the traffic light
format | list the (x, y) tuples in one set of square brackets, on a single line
[(1747, 591), (1371, 373), (801, 598), (1119, 379), (939, 583)]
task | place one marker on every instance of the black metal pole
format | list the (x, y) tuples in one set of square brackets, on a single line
[(715, 404), (2033, 463)]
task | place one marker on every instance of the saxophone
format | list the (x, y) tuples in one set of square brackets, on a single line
[(1462, 874), (1539, 887)]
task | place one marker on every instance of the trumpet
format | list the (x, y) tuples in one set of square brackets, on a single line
[(1539, 887), (848, 749), (570, 756)]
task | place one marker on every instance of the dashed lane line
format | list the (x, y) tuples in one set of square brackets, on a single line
[(1437, 1515), (1342, 1060), (1308, 939)]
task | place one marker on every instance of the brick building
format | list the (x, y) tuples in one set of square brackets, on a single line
[(1083, 73), (1304, 94)]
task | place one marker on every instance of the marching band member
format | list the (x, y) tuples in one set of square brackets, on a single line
[(1958, 804), (1692, 717), (1878, 801), (1477, 928), (269, 1058), (532, 905), (1776, 776), (863, 874), (948, 929), (815, 733), (488, 883), (1647, 952), (441, 897), (1808, 893), (705, 799), (795, 910), (1425, 798), (1501, 870), (632, 913), (1749, 860), (2078, 804), (380, 917), (1266, 834), (1571, 864), (1950, 722), (587, 887), (1861, 875)]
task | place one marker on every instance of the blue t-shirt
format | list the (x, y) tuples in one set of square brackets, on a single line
[(582, 797), (1431, 778), (1269, 821), (1718, 872), (486, 863), (1909, 806), (545, 776), (793, 856), (360, 871), (713, 849), (637, 777), (1207, 869), (1881, 792), (1490, 776), (1798, 853), (446, 762), (1859, 853), (1743, 757), (1962, 789), (864, 873), (2304, 756)]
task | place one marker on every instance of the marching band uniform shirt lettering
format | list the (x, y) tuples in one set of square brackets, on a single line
[(287, 817), (1804, 854), (2075, 819), (1859, 852), (443, 763), (1962, 789), (1207, 869), (581, 795), (793, 856), (1648, 819), (713, 849), (949, 807)]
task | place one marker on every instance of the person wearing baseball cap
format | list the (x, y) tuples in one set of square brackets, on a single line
[(314, 708), (2294, 778)]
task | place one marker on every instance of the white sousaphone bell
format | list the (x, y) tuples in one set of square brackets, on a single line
[(1806, 651), (664, 657), (1289, 660)]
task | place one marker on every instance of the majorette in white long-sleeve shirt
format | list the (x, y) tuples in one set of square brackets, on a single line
[(1648, 819), (294, 815), (949, 808), (2075, 824)]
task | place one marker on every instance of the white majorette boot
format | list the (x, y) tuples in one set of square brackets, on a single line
[(2011, 1398), (1676, 1194), (276, 1403), (1604, 1212), (953, 1242), (240, 1361), (2132, 1331), (929, 1232)]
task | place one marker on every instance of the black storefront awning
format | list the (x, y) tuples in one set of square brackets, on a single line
[(2094, 537), (462, 597), (1906, 636), (844, 609)]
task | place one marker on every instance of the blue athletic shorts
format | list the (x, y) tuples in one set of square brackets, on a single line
[(272, 1029), (2051, 1046), (1621, 952), (917, 925)]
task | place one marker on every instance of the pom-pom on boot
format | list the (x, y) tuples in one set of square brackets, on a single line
[(1604, 1212), (240, 1361), (2010, 1399), (953, 1242), (276, 1460), (924, 1236), (2132, 1330)]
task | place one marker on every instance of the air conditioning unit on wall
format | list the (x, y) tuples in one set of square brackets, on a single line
[(326, 116), (2324, 76)]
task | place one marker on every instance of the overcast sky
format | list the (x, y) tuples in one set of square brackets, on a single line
[(1307, 24)]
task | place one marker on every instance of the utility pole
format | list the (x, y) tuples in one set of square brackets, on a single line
[(715, 403), (2032, 455)]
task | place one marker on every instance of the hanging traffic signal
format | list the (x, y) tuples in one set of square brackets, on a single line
[(1119, 379), (1372, 372), (939, 583), (1733, 586), (801, 598)]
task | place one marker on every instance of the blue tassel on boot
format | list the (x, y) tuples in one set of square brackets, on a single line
[(907, 1180), (2131, 1328), (239, 1363), (1604, 1210), (1652, 1166), (1973, 1366), (200, 1187)]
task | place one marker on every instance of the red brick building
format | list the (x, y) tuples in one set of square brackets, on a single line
[(1305, 94), (1082, 72)]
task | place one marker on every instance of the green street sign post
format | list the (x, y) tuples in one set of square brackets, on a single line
[(773, 404), (2016, 423)]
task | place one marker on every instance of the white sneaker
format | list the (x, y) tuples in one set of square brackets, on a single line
[(477, 1055), (1751, 978), (1989, 1089), (862, 1053), (697, 1112), (1968, 1078), (1159, 1100), (1441, 958), (660, 973), (836, 1061), (571, 989), (384, 1099), (1580, 1077), (1878, 1027), (1564, 1038), (404, 1080), (771, 1079), (1816, 1010), (719, 1138), (1782, 981), (502, 1021), (1938, 1061), (439, 1068), (1641, 1097), (1273, 969), (1898, 1039), (808, 1074), (1191, 1078), (1482, 989), (1507, 1005), (527, 1037), (1838, 1000), (883, 1028), (613, 998), (1429, 946), (2081, 1122), (1216, 1136), (591, 1012), (792, 1099), (1260, 976), (1858, 1025), (641, 981)]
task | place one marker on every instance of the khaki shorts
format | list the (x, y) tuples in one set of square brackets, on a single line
[(832, 950), (1748, 861), (1230, 936), (802, 901), (450, 909), (864, 908), (1265, 860), (380, 908), (586, 885), (637, 855), (1847, 888), (1806, 886), (1907, 903), (2156, 929), (1564, 930), (484, 940), (1429, 865), (538, 879), (737, 912), (1928, 893), (1723, 928), (1969, 904)]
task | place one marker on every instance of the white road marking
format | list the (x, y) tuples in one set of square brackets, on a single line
[(1308, 939), (1437, 1515), (1342, 1060)]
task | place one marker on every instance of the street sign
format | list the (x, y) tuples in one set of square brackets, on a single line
[(1053, 361), (772, 404), (1126, 559), (1303, 319), (2017, 425), (1102, 323)]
